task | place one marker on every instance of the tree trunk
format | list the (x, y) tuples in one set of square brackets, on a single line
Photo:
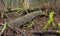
[(26, 4)]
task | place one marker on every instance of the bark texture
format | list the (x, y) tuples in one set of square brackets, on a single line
[(24, 19)]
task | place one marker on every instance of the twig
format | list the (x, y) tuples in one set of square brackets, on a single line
[(7, 17)]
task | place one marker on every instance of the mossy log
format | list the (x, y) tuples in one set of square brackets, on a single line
[(24, 19), (43, 32), (12, 10), (19, 9)]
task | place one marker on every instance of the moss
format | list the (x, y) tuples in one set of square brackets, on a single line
[(49, 21)]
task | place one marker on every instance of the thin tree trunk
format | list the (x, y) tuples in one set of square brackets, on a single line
[(26, 4)]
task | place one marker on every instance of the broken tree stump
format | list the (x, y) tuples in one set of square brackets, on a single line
[(24, 19)]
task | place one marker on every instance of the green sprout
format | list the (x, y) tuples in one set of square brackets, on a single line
[(50, 20), (4, 27), (58, 26)]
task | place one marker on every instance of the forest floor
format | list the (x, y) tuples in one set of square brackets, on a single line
[(27, 31)]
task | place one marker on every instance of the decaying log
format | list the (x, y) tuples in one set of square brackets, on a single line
[(19, 9), (43, 32), (24, 19)]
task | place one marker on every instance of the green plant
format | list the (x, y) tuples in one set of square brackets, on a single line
[(50, 20), (4, 27), (58, 26)]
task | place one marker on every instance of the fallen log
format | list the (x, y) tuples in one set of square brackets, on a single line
[(20, 9), (24, 19), (43, 32)]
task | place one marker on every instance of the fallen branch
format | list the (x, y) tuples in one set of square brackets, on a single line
[(24, 19), (42, 32), (20, 9)]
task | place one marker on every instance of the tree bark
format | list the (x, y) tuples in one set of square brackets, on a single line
[(24, 19)]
